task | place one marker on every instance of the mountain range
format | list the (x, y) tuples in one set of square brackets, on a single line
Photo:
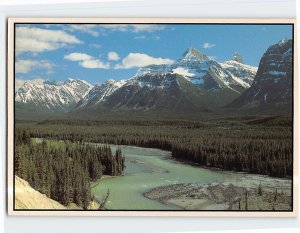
[(193, 83), (55, 96)]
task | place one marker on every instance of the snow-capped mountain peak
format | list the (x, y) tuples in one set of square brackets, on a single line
[(283, 41), (237, 57), (57, 96), (194, 54), (241, 73), (110, 81), (100, 92), (193, 70), (152, 69), (206, 73)]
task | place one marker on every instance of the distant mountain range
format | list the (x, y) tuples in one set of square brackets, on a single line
[(194, 82), (55, 96)]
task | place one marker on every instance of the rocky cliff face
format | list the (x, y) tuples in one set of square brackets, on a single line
[(273, 83)]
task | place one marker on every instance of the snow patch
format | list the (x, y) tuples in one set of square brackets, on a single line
[(265, 98), (240, 81), (283, 41), (53, 95), (183, 72), (256, 94), (276, 73)]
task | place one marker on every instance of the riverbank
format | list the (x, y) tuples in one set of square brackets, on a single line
[(182, 185), (223, 196)]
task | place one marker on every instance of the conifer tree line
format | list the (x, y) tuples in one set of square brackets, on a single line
[(64, 172), (260, 147)]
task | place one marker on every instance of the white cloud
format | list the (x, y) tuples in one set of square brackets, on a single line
[(133, 27), (94, 64), (156, 37), (85, 28), (115, 27), (25, 66), (36, 40), (20, 82), (113, 56), (87, 61), (146, 27), (140, 60), (78, 57), (141, 37), (96, 46), (208, 45), (101, 29)]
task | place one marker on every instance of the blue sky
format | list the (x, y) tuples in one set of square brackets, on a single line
[(98, 52)]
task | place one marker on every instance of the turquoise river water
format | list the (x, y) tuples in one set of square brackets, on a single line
[(148, 168)]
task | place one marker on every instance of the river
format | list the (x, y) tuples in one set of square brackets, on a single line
[(148, 168)]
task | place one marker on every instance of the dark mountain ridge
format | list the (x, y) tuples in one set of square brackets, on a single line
[(273, 83)]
